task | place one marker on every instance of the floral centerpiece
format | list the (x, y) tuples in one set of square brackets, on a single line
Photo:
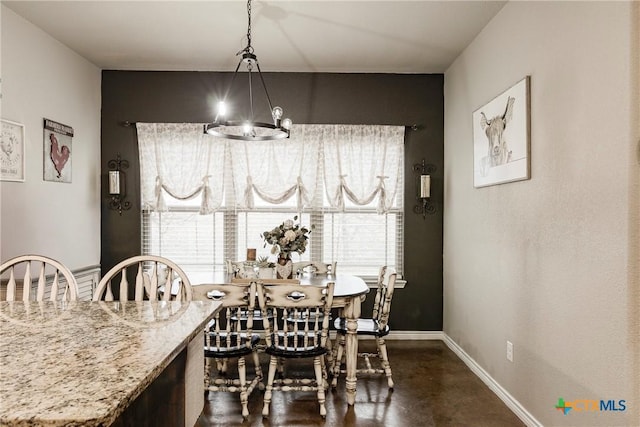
[(284, 239)]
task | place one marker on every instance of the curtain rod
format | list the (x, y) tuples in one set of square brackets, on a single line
[(414, 126)]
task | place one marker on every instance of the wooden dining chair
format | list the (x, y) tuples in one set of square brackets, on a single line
[(154, 277), (377, 326), (230, 336), (302, 318), (257, 314), (300, 340), (37, 278)]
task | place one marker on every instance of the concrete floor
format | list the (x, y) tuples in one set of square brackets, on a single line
[(433, 387)]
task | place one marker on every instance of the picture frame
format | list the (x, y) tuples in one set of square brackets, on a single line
[(12, 151), (57, 151), (501, 137)]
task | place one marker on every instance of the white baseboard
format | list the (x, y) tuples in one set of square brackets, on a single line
[(493, 385), (415, 335)]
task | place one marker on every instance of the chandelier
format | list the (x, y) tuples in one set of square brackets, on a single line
[(249, 129)]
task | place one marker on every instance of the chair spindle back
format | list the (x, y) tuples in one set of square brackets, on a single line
[(54, 280)]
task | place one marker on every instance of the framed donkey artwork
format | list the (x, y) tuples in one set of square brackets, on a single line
[(501, 137)]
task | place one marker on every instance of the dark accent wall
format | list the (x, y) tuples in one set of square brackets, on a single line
[(311, 98)]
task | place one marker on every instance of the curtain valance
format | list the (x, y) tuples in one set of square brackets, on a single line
[(359, 163), (180, 160)]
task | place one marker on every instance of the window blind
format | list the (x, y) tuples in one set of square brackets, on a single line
[(360, 240), (355, 235)]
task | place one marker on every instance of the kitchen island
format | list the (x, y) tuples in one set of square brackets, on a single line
[(102, 363)]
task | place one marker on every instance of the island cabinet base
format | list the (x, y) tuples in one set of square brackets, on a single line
[(176, 397)]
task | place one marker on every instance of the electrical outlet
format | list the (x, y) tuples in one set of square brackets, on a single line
[(509, 351)]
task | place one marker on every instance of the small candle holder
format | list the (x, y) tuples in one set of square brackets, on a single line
[(117, 184), (423, 189)]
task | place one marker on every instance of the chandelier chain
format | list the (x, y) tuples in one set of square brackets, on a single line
[(245, 130), (249, 48)]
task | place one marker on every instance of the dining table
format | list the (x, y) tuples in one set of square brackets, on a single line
[(98, 363), (349, 291)]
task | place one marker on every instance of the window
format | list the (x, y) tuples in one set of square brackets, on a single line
[(360, 231)]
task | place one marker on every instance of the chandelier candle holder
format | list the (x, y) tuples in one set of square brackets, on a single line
[(249, 129)]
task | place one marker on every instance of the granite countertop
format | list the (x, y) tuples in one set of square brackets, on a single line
[(82, 363)]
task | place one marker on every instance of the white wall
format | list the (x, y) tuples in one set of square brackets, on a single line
[(550, 263), (43, 78)]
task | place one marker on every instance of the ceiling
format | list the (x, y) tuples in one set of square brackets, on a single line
[(293, 36)]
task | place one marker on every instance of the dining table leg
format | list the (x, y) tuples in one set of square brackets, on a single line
[(352, 314)]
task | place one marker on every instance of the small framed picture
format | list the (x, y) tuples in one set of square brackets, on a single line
[(12, 148)]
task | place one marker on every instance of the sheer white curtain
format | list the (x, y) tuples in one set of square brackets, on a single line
[(362, 163), (275, 171), (179, 159), (359, 163)]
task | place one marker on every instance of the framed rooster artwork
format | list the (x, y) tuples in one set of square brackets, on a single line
[(57, 151)]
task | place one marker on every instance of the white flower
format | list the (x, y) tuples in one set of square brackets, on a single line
[(287, 237)]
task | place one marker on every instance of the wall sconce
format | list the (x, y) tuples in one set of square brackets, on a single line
[(423, 189), (117, 185)]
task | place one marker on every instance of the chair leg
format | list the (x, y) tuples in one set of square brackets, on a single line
[(317, 366), (273, 365), (207, 373), (244, 398), (221, 365), (326, 363), (280, 368), (258, 369), (341, 342), (382, 350), (329, 356)]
